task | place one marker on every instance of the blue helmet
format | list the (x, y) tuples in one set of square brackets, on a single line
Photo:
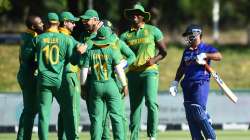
[(191, 33), (192, 29)]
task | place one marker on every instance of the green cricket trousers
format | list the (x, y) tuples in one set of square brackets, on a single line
[(27, 83), (143, 85), (70, 93), (106, 122), (101, 92), (45, 99)]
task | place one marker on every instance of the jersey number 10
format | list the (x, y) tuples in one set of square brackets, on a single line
[(51, 54)]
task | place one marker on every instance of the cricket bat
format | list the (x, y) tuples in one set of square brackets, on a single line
[(221, 83)]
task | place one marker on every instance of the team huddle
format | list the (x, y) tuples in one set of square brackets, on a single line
[(102, 68)]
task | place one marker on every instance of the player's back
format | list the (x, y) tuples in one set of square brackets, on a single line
[(102, 62), (53, 50)]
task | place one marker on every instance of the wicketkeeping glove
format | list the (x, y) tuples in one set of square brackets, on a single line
[(173, 90), (200, 59)]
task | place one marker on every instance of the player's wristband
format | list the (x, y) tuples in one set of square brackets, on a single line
[(124, 63), (83, 75), (121, 75)]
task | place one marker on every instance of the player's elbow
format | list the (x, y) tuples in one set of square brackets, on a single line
[(164, 53), (219, 56), (215, 56)]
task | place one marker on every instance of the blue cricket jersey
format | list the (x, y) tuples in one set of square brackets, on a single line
[(192, 70), (195, 84)]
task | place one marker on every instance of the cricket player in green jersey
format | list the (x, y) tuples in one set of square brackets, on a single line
[(102, 60), (128, 58), (70, 90), (143, 75), (54, 50), (90, 21), (26, 77)]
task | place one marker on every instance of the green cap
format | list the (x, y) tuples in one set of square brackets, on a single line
[(137, 9), (89, 14), (68, 16), (53, 17), (104, 36)]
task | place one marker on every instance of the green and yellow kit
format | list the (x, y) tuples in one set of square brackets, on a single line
[(103, 91), (27, 81), (86, 36), (70, 92), (54, 50), (125, 53), (142, 79)]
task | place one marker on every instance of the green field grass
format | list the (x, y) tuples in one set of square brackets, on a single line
[(234, 67), (169, 135)]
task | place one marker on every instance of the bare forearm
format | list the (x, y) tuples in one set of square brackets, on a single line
[(179, 74), (162, 51), (214, 56), (83, 75), (158, 58)]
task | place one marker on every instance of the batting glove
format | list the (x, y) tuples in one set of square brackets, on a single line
[(173, 90), (200, 59)]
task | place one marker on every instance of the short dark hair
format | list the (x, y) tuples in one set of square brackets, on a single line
[(51, 24), (61, 24), (30, 21)]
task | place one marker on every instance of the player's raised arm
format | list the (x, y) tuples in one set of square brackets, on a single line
[(214, 56)]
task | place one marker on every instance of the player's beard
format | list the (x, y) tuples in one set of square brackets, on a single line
[(39, 31), (92, 27), (134, 21), (87, 27)]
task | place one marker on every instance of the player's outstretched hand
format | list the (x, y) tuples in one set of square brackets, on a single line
[(173, 90), (200, 59), (81, 48), (99, 25)]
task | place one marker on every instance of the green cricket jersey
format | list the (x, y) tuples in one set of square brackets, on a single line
[(123, 50), (102, 62), (142, 42), (27, 53), (86, 36), (69, 67), (53, 51)]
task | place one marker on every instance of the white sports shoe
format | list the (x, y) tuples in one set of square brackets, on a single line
[(152, 138)]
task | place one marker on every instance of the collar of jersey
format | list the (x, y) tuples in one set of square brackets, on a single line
[(200, 45), (33, 33), (53, 30), (135, 29), (64, 31)]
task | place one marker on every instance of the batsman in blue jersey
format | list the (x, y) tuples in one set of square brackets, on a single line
[(195, 84)]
